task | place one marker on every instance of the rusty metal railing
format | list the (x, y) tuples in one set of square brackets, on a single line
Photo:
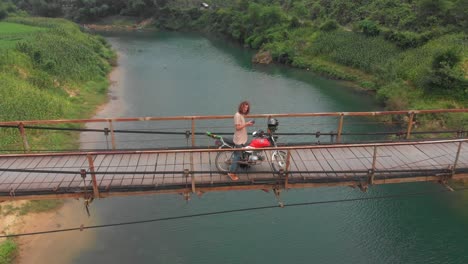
[(368, 174), (408, 122)]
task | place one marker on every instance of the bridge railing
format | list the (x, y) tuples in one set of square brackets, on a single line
[(111, 173), (189, 131)]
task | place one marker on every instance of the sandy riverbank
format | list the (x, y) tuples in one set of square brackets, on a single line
[(49, 248)]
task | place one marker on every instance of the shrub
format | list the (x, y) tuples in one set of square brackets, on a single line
[(3, 14), (444, 76), (329, 25), (406, 39), (369, 28)]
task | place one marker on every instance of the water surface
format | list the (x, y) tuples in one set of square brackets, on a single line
[(167, 74)]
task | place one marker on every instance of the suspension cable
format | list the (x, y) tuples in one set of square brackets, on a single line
[(81, 228)]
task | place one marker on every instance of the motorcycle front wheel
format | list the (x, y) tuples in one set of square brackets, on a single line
[(278, 160), (223, 160)]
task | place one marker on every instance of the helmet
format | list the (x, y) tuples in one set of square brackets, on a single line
[(258, 133), (272, 124)]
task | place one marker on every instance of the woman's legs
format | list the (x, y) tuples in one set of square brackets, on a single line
[(235, 161), (234, 164)]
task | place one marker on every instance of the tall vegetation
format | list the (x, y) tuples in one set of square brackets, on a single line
[(410, 49), (49, 70)]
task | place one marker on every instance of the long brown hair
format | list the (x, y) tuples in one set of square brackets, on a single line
[(241, 106)]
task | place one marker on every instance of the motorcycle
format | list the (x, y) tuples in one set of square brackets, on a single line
[(253, 154)]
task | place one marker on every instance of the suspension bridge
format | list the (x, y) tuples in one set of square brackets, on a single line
[(147, 155)]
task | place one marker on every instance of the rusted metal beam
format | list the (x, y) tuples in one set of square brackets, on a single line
[(410, 125), (340, 128), (107, 152), (288, 162), (455, 163), (374, 161), (26, 146), (111, 126), (429, 178), (193, 132), (93, 176), (133, 119)]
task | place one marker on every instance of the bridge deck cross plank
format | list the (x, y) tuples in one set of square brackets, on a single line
[(440, 158), (168, 169), (298, 162), (449, 149), (316, 157)]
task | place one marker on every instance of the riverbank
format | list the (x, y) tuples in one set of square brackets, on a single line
[(119, 23), (37, 248), (400, 78), (51, 70)]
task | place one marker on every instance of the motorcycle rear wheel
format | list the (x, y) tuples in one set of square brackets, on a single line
[(278, 160), (223, 161)]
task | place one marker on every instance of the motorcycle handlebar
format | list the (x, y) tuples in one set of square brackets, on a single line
[(212, 135)]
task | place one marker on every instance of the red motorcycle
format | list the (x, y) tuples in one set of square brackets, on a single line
[(254, 155)]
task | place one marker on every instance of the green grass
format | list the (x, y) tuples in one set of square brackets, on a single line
[(60, 73), (39, 206), (8, 248), (14, 28), (11, 33), (31, 207), (8, 251)]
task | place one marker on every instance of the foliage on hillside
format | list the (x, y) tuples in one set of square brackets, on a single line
[(410, 49), (417, 64), (49, 70)]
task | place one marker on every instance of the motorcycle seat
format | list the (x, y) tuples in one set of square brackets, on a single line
[(229, 140)]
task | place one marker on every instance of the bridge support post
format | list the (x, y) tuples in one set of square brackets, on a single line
[(457, 157), (111, 126), (193, 132), (288, 159), (340, 128), (188, 173), (372, 170), (410, 125), (93, 176), (26, 146)]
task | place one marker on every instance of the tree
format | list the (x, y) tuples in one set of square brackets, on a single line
[(369, 28), (47, 8), (445, 76)]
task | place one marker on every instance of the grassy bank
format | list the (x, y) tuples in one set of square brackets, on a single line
[(49, 69), (418, 61), (7, 251), (427, 75), (419, 65), (10, 213)]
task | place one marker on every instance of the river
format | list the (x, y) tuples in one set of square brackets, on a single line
[(167, 74)]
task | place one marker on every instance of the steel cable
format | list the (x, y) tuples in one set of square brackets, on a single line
[(81, 228)]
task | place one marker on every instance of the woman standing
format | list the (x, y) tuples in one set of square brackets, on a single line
[(240, 136)]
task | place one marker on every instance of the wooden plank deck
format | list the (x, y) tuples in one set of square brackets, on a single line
[(125, 173)]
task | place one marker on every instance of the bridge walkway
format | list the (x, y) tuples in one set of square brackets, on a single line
[(111, 173)]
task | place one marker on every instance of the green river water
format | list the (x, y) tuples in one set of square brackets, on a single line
[(167, 74)]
